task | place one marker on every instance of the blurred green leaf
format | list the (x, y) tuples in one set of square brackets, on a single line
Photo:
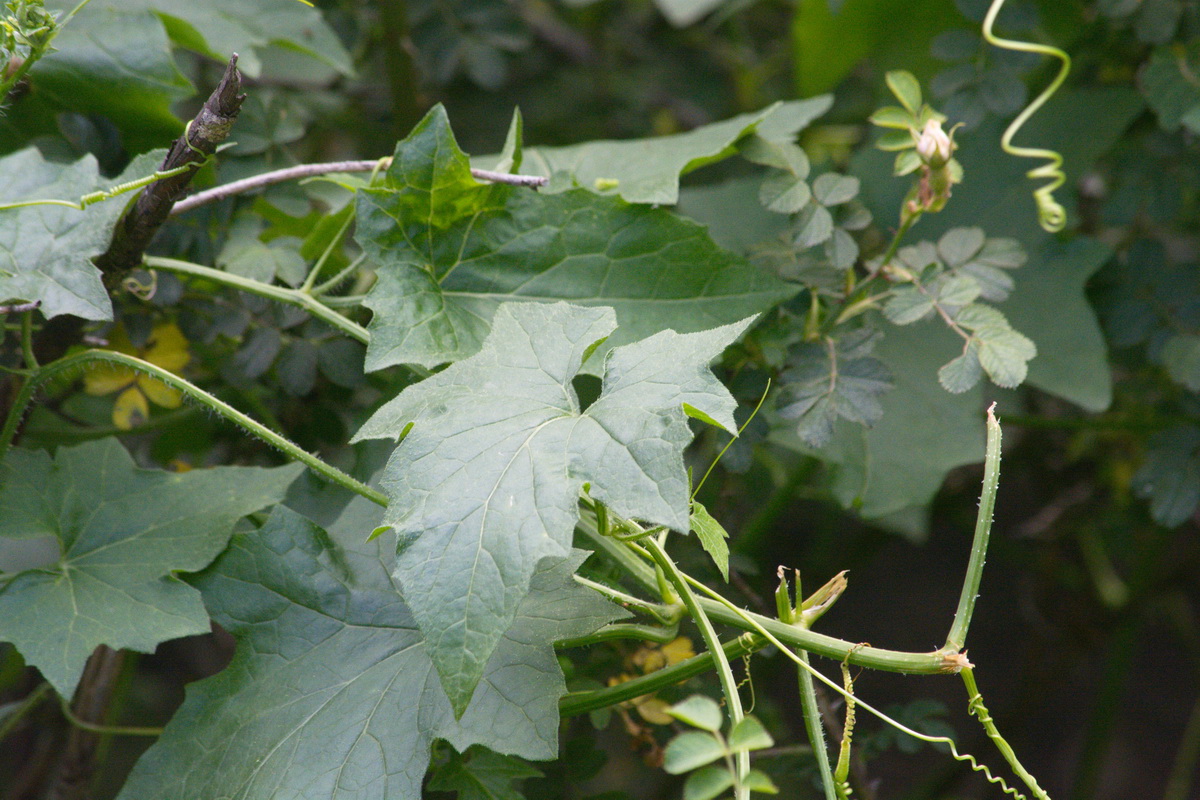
[(648, 170), (689, 750), (713, 538), (480, 774)]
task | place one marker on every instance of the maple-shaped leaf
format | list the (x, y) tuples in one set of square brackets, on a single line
[(46, 251), (831, 380), (451, 250), (487, 481), (121, 534), (331, 694)]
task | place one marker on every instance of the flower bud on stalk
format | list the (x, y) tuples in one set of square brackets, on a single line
[(934, 146)]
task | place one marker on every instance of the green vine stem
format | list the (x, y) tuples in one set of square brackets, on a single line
[(935, 663), (729, 688), (979, 710), (975, 764), (106, 730), (575, 703), (83, 359), (23, 707), (983, 528), (292, 297), (790, 611), (1051, 215)]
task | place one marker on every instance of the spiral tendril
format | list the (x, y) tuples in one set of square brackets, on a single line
[(1051, 215)]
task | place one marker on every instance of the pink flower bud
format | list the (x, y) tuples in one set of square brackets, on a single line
[(934, 146)]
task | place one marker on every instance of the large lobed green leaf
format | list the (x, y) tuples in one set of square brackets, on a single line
[(111, 60), (331, 694), (219, 28), (451, 250), (486, 483), (121, 533), (46, 251), (648, 170)]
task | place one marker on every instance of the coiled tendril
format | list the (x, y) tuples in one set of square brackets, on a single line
[(1051, 215)]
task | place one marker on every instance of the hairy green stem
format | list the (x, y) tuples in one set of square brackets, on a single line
[(291, 297), (625, 630), (934, 663), (576, 703), (946, 740), (31, 361), (813, 726), (729, 687), (983, 529), (977, 708), (81, 360), (334, 241)]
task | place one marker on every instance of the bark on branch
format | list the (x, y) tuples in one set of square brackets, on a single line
[(204, 134)]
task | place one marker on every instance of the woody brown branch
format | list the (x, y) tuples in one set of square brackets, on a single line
[(204, 134)]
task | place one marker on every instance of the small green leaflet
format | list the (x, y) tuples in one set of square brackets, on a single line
[(648, 170), (1170, 477), (1170, 88), (331, 694), (46, 251), (122, 534), (486, 482), (835, 379), (480, 774), (713, 537), (451, 250)]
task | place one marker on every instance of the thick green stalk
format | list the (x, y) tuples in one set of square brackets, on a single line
[(291, 297), (733, 700), (812, 724), (80, 360), (934, 663), (577, 703), (983, 529)]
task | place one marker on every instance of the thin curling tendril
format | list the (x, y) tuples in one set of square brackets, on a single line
[(966, 758), (1051, 215)]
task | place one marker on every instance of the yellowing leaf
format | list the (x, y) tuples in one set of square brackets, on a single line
[(131, 409)]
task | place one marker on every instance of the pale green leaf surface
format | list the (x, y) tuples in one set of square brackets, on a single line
[(480, 774), (1181, 357), (784, 193), (713, 537), (648, 170), (749, 734), (331, 694), (698, 711), (219, 28), (450, 251), (689, 750), (487, 482), (122, 534), (707, 783), (46, 251)]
